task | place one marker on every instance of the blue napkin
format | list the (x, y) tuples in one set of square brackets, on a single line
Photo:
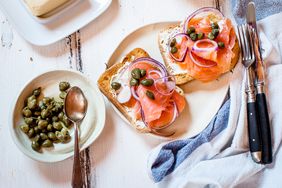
[(174, 153), (264, 8)]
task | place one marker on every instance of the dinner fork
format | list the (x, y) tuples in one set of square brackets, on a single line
[(248, 58)]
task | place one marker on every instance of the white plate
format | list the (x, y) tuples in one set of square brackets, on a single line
[(90, 128), (44, 34), (203, 99)]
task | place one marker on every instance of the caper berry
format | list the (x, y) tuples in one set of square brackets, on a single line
[(63, 95), (200, 35), (24, 128), (143, 72), (37, 92), (211, 36), (150, 94), (26, 112), (28, 121), (136, 73), (133, 82), (147, 82), (42, 124), (190, 30), (214, 25), (57, 125), (47, 143), (35, 145), (173, 50), (43, 136), (115, 85), (36, 138), (173, 42), (215, 32), (30, 133), (52, 136), (63, 86), (193, 36), (220, 44)]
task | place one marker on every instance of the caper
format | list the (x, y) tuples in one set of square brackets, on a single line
[(200, 35), (215, 32), (36, 138), (26, 112), (190, 30), (57, 125), (63, 95), (37, 92), (46, 100), (143, 72), (133, 82), (214, 25), (47, 143), (35, 145), (42, 124), (136, 73), (193, 36), (150, 94), (61, 115), (37, 113), (36, 130), (30, 133), (43, 136), (115, 85), (220, 44), (173, 50), (52, 136), (147, 82), (173, 42), (211, 36), (32, 104), (55, 119), (28, 121), (59, 136), (45, 113), (30, 98), (66, 121), (24, 128), (49, 127), (63, 86)]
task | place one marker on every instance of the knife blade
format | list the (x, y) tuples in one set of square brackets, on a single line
[(261, 103)]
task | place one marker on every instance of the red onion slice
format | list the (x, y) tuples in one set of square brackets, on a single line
[(200, 64), (133, 92), (151, 72), (200, 11), (179, 38), (196, 47), (153, 62), (165, 85)]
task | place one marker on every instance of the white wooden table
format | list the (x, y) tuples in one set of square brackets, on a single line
[(118, 158)]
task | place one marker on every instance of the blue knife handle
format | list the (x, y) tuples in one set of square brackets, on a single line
[(264, 128)]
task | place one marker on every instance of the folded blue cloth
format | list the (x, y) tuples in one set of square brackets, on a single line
[(264, 8), (174, 153)]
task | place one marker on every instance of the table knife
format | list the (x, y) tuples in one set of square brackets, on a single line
[(261, 103)]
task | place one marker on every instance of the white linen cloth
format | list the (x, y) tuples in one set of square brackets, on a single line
[(226, 160)]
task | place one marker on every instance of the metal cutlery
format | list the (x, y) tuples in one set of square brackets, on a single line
[(261, 103), (248, 58)]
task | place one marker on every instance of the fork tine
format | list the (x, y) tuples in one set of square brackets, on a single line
[(241, 40), (246, 40), (252, 38)]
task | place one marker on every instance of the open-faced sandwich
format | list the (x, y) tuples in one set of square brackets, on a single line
[(143, 91), (203, 47)]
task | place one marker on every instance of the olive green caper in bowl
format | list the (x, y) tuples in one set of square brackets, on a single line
[(39, 107), (45, 122)]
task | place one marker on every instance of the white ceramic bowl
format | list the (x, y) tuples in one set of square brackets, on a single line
[(90, 128)]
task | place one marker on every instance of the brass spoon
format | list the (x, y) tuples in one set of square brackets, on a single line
[(75, 110)]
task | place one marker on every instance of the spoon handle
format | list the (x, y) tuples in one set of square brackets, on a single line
[(77, 181)]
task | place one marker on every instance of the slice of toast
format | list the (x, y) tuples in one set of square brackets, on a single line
[(182, 76), (104, 84)]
